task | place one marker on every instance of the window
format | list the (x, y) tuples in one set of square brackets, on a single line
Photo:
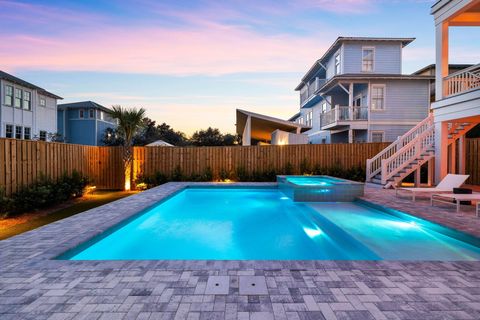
[(8, 131), (18, 98), (27, 133), (81, 113), (43, 135), (91, 113), (8, 95), (324, 107), (378, 97), (101, 115), (27, 100), (300, 120), (368, 54), (377, 136), (309, 119), (43, 102), (337, 63), (18, 132)]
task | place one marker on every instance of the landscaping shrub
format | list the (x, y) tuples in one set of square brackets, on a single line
[(43, 193)]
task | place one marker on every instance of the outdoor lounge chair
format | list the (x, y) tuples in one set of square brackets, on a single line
[(447, 198), (446, 185)]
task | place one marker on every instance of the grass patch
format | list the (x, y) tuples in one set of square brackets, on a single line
[(13, 226)]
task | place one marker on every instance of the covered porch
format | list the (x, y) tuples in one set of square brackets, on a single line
[(257, 128), (347, 107)]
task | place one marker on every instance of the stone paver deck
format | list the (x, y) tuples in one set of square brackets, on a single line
[(33, 286)]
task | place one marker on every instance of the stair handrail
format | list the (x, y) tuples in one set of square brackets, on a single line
[(374, 165), (409, 152)]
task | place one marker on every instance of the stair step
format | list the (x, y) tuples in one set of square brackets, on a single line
[(376, 181)]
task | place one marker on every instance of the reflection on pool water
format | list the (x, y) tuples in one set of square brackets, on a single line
[(263, 224)]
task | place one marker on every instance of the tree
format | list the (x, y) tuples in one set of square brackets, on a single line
[(112, 138), (130, 121), (209, 137)]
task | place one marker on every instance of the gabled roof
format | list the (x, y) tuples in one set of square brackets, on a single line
[(83, 104), (23, 83), (318, 64)]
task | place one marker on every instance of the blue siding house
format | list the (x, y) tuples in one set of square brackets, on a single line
[(84, 122), (356, 92)]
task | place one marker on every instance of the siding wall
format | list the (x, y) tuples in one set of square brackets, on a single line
[(388, 57)]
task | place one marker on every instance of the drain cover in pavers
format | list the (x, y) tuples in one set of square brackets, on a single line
[(252, 285), (217, 285)]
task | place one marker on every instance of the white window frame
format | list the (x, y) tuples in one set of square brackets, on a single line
[(91, 113), (11, 132), (29, 134), (12, 96), (42, 101), (309, 118), (81, 113), (21, 132), (384, 87), (29, 102), (324, 107), (15, 90), (337, 67), (373, 58), (377, 132)]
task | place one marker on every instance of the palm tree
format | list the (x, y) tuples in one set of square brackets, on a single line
[(129, 123)]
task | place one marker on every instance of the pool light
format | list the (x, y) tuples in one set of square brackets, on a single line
[(312, 233)]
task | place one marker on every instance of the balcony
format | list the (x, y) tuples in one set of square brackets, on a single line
[(344, 116), (308, 92), (463, 81)]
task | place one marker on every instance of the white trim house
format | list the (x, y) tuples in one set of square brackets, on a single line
[(26, 110)]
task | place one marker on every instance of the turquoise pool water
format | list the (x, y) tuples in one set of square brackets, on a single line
[(313, 180), (264, 224)]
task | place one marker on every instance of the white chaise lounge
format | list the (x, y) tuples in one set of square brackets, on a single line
[(446, 185), (449, 197)]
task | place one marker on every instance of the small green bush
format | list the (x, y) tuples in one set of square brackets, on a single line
[(43, 193)]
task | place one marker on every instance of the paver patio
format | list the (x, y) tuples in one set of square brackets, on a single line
[(33, 286)]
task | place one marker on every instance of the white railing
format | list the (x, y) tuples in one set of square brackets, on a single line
[(462, 81), (310, 90), (409, 152), (374, 165), (343, 113)]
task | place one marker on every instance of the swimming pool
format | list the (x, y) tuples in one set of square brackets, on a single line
[(263, 224)]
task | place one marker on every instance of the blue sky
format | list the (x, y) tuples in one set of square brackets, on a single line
[(191, 63)]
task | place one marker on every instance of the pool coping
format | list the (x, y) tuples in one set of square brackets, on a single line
[(38, 248)]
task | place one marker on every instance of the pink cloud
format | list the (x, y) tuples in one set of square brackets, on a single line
[(208, 49)]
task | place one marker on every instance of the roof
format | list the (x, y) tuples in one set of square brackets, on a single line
[(262, 126), (313, 69), (450, 66), (362, 76), (23, 83), (159, 143), (295, 116), (83, 104)]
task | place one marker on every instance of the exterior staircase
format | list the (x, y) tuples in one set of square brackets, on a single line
[(409, 152), (405, 155)]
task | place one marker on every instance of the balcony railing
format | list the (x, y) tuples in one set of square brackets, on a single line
[(462, 81), (343, 113), (309, 90)]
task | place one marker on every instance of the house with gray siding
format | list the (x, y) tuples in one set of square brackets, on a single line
[(84, 122), (27, 111), (356, 92)]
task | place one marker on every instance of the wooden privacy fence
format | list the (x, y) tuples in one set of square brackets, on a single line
[(149, 160), (23, 162)]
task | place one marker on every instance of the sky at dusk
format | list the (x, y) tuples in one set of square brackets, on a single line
[(192, 63)]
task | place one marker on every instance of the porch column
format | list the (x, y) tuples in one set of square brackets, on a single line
[(350, 101), (298, 130), (431, 171), (453, 158), (350, 136), (441, 70), (441, 150), (247, 132), (461, 154)]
